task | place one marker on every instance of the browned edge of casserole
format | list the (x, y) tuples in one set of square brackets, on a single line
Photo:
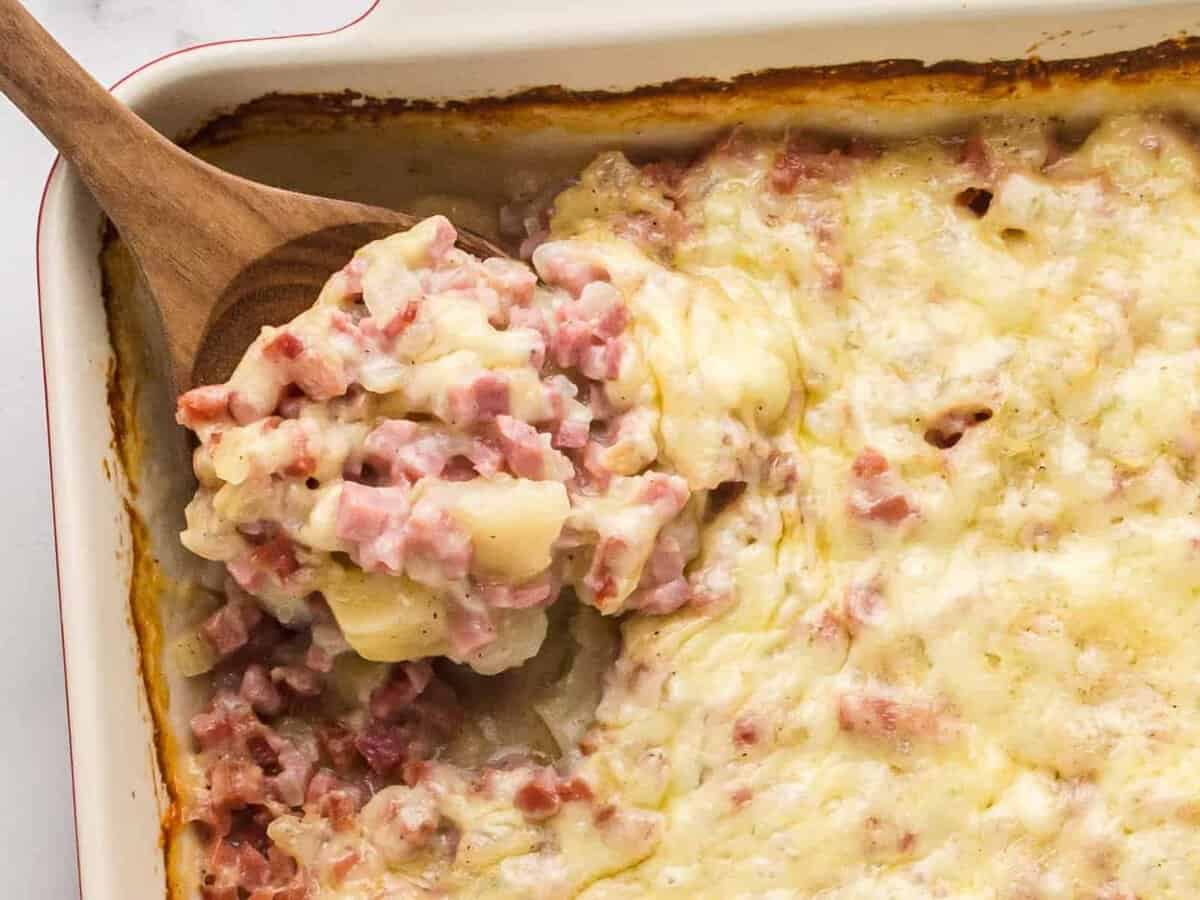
[(899, 87)]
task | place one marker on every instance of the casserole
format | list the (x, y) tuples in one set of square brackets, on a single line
[(121, 800)]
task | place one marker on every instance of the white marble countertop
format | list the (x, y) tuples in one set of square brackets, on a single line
[(110, 38)]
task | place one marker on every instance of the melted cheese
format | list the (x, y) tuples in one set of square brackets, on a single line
[(1014, 713)]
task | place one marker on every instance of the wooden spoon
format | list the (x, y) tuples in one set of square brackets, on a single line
[(222, 255)]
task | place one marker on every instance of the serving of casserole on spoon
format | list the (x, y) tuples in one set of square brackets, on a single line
[(222, 255)]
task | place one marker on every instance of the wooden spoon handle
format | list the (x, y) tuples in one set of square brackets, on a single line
[(118, 155)]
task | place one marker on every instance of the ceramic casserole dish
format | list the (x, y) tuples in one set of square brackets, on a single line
[(119, 464)]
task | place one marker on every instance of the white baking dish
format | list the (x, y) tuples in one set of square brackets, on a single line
[(448, 52)]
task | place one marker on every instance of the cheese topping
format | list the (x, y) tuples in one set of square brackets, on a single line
[(941, 642)]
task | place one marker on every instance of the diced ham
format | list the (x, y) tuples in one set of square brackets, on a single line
[(277, 556), (414, 771), (523, 451), (260, 692), (804, 161), (295, 770), (246, 409), (364, 513), (540, 592), (661, 599), (259, 747), (433, 535), (528, 454), (662, 588), (425, 542), (401, 321), (829, 629), (231, 727), (748, 730), (531, 318), (877, 715), (587, 332), (326, 639), (666, 561), (383, 554), (575, 789), (302, 465), (470, 629), (512, 280), (407, 682), (301, 681), (538, 798), (571, 434), (347, 325), (570, 341), (619, 556), (321, 377), (233, 868), (396, 447), (318, 658), (405, 451), (602, 362), (236, 783), (228, 629), (460, 277), (202, 406), (570, 420), (668, 494), (210, 729), (227, 718), (343, 865), (890, 510), (383, 746), (876, 493), (284, 345), (602, 307), (338, 744), (869, 464), (479, 400), (334, 799)]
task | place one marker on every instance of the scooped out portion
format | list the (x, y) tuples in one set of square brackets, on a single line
[(442, 444)]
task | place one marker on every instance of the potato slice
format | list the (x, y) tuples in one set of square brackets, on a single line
[(385, 618), (513, 523)]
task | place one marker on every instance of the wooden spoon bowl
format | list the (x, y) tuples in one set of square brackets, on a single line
[(222, 255)]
